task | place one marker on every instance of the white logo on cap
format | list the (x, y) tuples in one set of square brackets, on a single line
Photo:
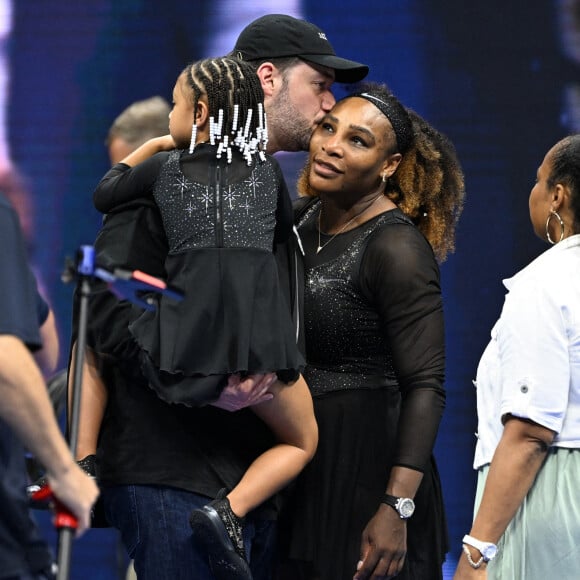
[(322, 35)]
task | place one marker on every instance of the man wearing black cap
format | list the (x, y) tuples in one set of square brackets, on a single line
[(158, 462), (297, 66)]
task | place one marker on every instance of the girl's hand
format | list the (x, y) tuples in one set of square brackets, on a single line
[(164, 143), (149, 148)]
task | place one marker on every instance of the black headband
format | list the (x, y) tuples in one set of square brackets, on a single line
[(397, 116)]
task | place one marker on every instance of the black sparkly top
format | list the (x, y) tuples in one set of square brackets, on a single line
[(373, 318), (206, 202)]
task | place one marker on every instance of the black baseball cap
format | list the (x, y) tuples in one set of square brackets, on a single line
[(279, 35)]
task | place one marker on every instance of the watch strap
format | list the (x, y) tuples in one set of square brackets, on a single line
[(397, 502), (390, 500), (478, 545)]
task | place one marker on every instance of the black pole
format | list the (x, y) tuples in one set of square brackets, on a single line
[(66, 532), (85, 291)]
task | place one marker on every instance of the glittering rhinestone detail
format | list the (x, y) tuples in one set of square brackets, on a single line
[(232, 523)]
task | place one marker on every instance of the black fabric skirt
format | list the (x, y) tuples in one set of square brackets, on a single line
[(233, 319), (340, 490)]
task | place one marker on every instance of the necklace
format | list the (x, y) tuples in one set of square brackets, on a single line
[(322, 246)]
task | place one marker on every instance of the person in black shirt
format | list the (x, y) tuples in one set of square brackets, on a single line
[(26, 415), (177, 458)]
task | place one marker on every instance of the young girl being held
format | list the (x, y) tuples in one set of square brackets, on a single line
[(224, 205)]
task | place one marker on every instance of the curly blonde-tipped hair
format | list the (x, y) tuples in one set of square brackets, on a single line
[(428, 185)]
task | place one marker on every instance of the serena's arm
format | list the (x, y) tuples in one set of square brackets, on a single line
[(400, 275)]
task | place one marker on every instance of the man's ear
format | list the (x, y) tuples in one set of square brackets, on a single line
[(268, 75)]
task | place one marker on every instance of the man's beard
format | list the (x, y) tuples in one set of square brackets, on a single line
[(293, 130)]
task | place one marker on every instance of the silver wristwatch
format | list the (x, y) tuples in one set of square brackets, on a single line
[(487, 550), (404, 506)]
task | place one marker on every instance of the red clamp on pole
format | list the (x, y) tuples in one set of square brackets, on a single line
[(63, 517), (65, 522)]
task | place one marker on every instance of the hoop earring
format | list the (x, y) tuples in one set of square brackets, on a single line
[(557, 216), (384, 178)]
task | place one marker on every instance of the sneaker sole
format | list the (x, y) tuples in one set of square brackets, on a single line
[(225, 562)]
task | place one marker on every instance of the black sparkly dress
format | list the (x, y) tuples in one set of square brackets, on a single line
[(375, 366), (221, 222)]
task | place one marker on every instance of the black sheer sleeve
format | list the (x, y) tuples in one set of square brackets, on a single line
[(122, 183), (400, 277)]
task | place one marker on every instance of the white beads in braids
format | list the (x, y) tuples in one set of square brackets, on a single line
[(193, 137), (262, 132), (260, 118), (215, 133), (224, 146), (235, 120), (247, 127), (211, 131), (218, 127), (241, 136), (239, 140)]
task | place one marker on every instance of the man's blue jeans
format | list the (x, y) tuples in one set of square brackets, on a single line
[(154, 526)]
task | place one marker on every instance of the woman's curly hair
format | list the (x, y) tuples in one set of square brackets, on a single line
[(429, 187)]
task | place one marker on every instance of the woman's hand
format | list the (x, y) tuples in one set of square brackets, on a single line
[(383, 546)]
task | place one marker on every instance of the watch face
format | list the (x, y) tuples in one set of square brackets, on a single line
[(489, 552), (406, 507)]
